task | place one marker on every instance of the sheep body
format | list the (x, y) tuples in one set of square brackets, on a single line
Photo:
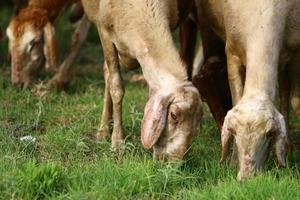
[(141, 30), (256, 34), (33, 42)]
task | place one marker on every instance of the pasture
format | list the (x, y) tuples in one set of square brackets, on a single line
[(66, 162)]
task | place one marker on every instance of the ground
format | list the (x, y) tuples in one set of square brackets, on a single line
[(65, 161)]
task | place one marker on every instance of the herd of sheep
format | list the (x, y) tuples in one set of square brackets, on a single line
[(247, 47)]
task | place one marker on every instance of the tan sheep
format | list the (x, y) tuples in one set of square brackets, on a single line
[(141, 30), (258, 35)]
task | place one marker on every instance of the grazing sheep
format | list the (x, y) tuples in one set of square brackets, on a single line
[(33, 44), (141, 30), (258, 36)]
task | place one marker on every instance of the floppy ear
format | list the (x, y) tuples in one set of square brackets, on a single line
[(226, 137), (50, 48), (280, 139), (155, 117)]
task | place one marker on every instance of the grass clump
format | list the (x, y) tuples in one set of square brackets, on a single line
[(37, 181)]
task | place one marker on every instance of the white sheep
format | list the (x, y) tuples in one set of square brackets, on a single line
[(257, 35), (141, 30)]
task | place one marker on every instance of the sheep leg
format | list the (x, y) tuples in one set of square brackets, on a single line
[(63, 76), (104, 129), (115, 87), (235, 76), (188, 40)]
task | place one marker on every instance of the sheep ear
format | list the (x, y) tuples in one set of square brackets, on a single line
[(50, 48), (226, 137), (155, 117), (280, 139)]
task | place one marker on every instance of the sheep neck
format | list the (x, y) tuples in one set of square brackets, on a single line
[(261, 72), (264, 45), (162, 66), (53, 7)]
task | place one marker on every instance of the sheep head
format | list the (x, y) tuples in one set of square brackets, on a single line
[(254, 124), (32, 44), (170, 122)]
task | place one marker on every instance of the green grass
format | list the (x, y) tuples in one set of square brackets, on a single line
[(65, 162)]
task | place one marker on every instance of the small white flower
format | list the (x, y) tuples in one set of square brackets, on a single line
[(28, 138)]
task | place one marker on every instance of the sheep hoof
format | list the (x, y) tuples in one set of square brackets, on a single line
[(102, 134), (57, 82), (117, 139)]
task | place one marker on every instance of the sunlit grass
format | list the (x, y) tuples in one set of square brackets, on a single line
[(65, 162)]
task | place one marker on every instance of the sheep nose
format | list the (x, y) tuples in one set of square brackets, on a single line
[(247, 168), (15, 77)]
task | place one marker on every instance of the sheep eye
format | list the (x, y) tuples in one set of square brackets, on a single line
[(173, 116), (30, 46), (33, 43), (269, 134)]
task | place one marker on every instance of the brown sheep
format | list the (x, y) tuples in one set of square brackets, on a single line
[(33, 43)]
